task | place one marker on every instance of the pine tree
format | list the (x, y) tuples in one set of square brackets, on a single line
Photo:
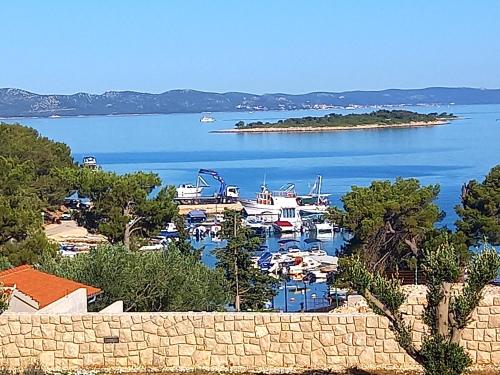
[(249, 288)]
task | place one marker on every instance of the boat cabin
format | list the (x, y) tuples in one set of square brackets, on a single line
[(89, 162), (196, 216)]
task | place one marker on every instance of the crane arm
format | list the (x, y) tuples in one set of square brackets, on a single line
[(218, 177)]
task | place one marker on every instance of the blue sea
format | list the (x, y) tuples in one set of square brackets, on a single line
[(175, 146)]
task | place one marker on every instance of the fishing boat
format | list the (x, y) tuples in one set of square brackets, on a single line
[(315, 201), (285, 205), (207, 118)]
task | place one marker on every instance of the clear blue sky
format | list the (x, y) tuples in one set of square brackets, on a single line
[(256, 46)]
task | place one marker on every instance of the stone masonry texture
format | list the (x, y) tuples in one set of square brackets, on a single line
[(229, 341)]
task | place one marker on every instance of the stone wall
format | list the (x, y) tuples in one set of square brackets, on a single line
[(236, 341)]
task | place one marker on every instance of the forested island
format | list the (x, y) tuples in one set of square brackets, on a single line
[(334, 121)]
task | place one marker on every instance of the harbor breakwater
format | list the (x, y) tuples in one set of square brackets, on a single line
[(231, 341)]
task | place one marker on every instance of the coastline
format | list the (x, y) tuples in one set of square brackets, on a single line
[(322, 129)]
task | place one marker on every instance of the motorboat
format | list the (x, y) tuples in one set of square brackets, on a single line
[(207, 118), (89, 162), (325, 227), (189, 191), (284, 226), (170, 231)]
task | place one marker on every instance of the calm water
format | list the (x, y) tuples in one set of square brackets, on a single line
[(176, 146)]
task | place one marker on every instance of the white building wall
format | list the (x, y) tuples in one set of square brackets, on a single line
[(115, 307), (20, 302), (75, 302)]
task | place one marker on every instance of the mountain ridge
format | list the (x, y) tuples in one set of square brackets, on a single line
[(22, 103)]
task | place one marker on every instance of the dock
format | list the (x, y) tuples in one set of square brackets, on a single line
[(210, 208)]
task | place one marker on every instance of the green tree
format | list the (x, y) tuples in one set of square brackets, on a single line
[(28, 185), (123, 205), (249, 288), (480, 209), (4, 299), (447, 311), (21, 233), (22, 144), (389, 221), (145, 281)]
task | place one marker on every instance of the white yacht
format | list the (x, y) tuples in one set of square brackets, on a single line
[(89, 162), (207, 118)]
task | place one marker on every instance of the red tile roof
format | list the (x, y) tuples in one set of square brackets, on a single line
[(42, 287)]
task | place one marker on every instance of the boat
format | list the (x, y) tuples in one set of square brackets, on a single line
[(170, 231), (189, 191), (283, 226), (315, 201), (89, 162), (324, 227), (278, 207), (207, 118), (285, 205)]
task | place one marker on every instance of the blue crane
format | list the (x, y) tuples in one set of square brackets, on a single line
[(218, 177)]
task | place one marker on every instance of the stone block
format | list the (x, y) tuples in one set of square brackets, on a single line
[(483, 358), (102, 329), (397, 358), (494, 321), (185, 327), (93, 360), (49, 345), (391, 346), (372, 321), (261, 331), (495, 357), (48, 331), (244, 326), (367, 356), (71, 350), (137, 336), (327, 338), (490, 334), (186, 349), (47, 360), (218, 360), (251, 349), (303, 361)]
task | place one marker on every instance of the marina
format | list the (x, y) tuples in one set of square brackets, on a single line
[(448, 155)]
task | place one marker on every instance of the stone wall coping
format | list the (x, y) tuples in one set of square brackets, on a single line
[(195, 313)]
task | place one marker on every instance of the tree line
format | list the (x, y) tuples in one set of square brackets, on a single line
[(380, 117), (36, 174), (394, 227)]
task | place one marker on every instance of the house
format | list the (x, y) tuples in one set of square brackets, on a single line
[(39, 292)]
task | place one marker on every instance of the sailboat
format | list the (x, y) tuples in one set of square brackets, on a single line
[(315, 201)]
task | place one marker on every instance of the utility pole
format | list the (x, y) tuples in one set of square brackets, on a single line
[(236, 276)]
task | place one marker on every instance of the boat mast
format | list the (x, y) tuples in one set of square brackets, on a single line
[(320, 178)]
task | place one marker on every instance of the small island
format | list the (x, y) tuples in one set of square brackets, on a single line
[(381, 119)]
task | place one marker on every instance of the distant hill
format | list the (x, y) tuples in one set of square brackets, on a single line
[(20, 103)]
